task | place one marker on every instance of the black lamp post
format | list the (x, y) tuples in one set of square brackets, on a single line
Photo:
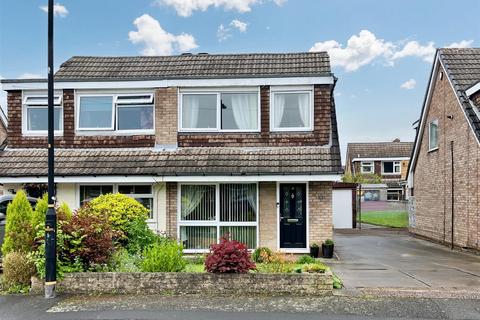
[(51, 218)]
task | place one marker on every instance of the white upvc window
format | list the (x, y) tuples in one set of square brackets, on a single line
[(124, 113), (291, 109), (391, 167), (143, 193), (222, 110), (433, 135), (35, 114), (207, 212), (366, 167)]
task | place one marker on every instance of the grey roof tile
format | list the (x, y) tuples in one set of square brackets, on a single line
[(379, 150), (183, 161)]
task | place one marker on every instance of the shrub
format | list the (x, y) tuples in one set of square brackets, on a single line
[(277, 263), (337, 282), (314, 268), (260, 254), (120, 209), (328, 242), (314, 245), (229, 256), (140, 236), (164, 256), (123, 261), (305, 259), (39, 214), (19, 233), (88, 237), (18, 268)]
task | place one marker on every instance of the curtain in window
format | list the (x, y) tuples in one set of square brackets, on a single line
[(279, 108), (238, 202), (304, 109), (198, 202), (191, 106), (244, 108)]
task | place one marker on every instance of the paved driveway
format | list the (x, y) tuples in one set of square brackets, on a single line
[(380, 258)]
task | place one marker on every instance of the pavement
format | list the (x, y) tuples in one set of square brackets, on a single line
[(233, 307), (389, 258)]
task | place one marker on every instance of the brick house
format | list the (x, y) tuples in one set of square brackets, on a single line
[(3, 135), (243, 144), (388, 160), (444, 175)]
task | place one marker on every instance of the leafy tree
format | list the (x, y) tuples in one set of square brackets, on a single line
[(362, 178), (19, 233)]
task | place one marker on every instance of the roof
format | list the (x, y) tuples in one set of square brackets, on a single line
[(379, 150), (194, 66), (182, 161)]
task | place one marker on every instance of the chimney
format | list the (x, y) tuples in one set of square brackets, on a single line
[(396, 140)]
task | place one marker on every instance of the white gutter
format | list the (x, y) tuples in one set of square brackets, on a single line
[(470, 91), (169, 83), (155, 179), (380, 159)]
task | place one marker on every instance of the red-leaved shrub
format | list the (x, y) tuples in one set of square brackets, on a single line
[(229, 256)]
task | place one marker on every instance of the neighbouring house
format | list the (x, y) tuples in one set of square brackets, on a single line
[(386, 160), (444, 174), (244, 144), (3, 135)]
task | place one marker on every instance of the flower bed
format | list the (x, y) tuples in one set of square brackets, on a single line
[(317, 284)]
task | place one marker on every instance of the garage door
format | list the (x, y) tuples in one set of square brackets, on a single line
[(342, 208)]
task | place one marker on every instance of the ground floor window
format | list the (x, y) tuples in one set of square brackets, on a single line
[(394, 195), (209, 211), (141, 193)]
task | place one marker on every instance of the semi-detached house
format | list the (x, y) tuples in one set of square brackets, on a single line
[(244, 144)]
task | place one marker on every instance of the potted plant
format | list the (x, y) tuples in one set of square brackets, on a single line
[(327, 248), (314, 250)]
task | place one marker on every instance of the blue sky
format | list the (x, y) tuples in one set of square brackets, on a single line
[(381, 50)]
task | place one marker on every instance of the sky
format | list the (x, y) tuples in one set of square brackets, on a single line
[(381, 51)]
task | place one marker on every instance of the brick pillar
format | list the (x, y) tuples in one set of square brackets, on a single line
[(267, 217), (320, 212), (172, 188), (166, 106)]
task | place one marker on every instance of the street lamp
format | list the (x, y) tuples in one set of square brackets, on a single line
[(51, 218)]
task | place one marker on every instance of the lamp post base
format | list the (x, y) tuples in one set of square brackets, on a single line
[(50, 290)]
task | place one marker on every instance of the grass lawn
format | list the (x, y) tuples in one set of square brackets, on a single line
[(394, 219)]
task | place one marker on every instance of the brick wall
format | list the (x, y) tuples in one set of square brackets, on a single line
[(3, 132), (320, 216), (476, 99), (319, 136), (268, 214), (166, 121), (432, 175), (69, 138), (172, 212)]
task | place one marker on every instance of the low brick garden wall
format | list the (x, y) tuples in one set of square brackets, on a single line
[(318, 284)]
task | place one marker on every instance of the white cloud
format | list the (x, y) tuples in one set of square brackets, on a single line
[(461, 44), (415, 49), (409, 84), (240, 25), (28, 75), (185, 8), (361, 50), (223, 33), (156, 40), (58, 10), (365, 48)]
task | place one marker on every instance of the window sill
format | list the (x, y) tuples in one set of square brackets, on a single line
[(432, 150), (114, 133)]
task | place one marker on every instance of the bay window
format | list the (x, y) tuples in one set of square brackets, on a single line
[(120, 112), (36, 114), (219, 111), (291, 110), (209, 211)]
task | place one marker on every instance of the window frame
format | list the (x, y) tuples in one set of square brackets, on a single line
[(218, 92), (286, 90), (430, 148), (217, 223), (395, 163), (58, 104), (115, 105), (372, 166), (134, 196)]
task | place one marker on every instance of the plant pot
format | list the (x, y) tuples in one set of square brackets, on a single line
[(327, 250), (314, 251)]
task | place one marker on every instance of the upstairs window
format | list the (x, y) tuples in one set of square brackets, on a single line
[(433, 135), (291, 110), (36, 114), (221, 111), (391, 167), (126, 113), (366, 167)]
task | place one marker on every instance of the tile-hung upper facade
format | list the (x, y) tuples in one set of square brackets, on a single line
[(444, 175), (212, 144), (388, 160)]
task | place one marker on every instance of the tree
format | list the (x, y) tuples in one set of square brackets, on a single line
[(362, 178)]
